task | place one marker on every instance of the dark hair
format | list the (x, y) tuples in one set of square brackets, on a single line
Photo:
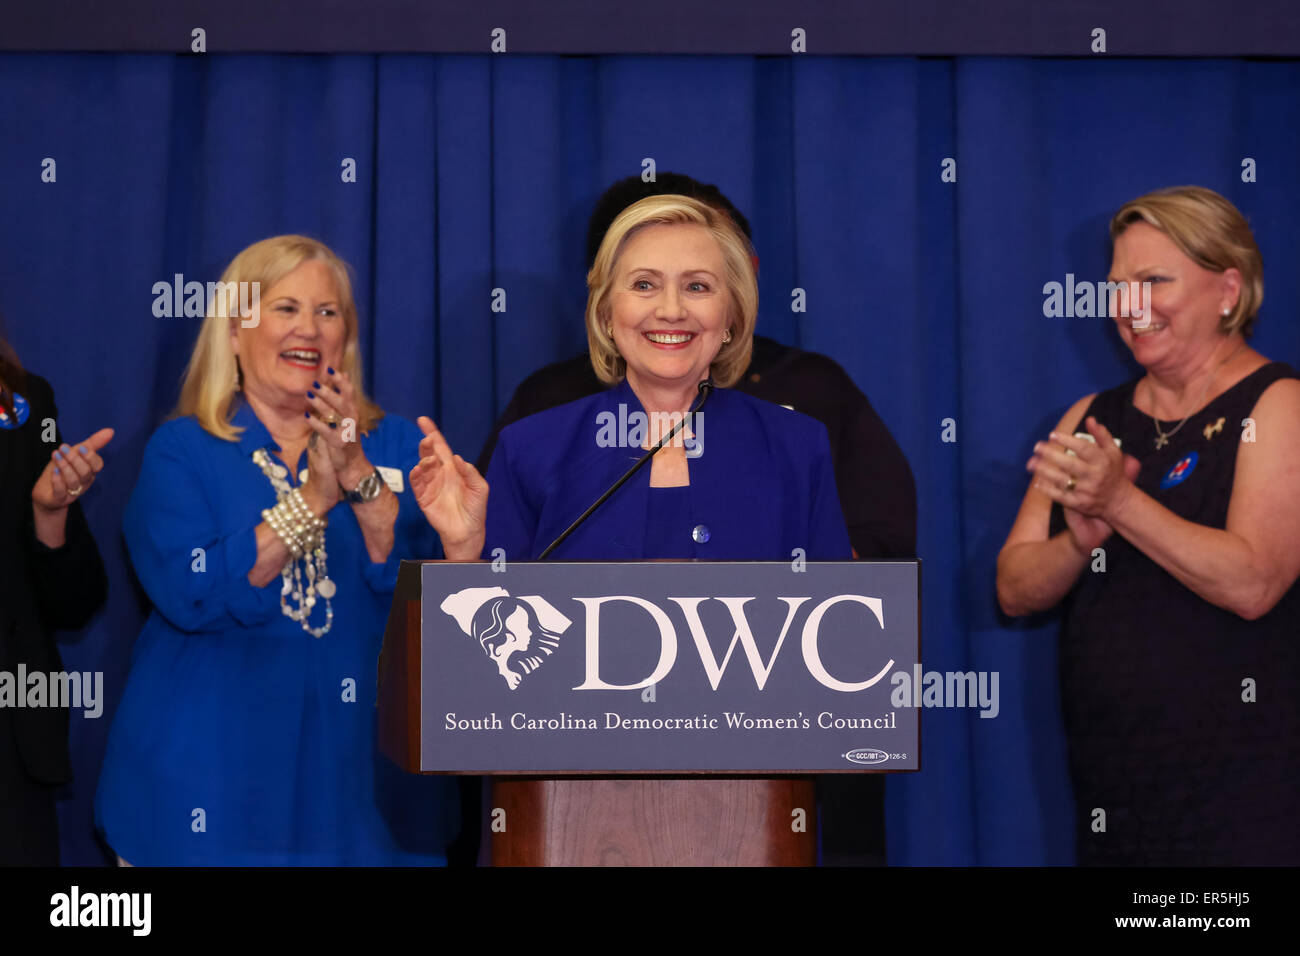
[(633, 189), (12, 376)]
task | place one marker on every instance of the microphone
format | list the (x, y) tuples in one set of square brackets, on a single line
[(704, 391)]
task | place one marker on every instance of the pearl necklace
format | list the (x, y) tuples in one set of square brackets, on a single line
[(313, 558)]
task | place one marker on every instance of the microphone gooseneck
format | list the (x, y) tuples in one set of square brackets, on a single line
[(704, 390)]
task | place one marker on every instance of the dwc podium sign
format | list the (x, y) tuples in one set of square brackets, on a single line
[(651, 667)]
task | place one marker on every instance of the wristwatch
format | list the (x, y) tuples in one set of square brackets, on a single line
[(367, 490)]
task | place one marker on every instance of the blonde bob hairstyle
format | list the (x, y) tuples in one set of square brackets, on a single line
[(1211, 232), (213, 377), (742, 284)]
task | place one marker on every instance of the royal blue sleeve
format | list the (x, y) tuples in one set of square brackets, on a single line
[(194, 571), (829, 535), (511, 520), (397, 446)]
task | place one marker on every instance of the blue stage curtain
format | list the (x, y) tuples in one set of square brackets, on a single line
[(477, 173)]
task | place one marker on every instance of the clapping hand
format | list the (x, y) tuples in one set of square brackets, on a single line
[(334, 415), (1089, 479), (70, 471), (452, 495), (321, 489)]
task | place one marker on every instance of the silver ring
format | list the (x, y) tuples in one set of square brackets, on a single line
[(73, 492)]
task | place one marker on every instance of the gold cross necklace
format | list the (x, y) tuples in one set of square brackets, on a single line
[(1162, 437)]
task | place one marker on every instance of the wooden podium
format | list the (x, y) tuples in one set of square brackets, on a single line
[(594, 819), (665, 821)]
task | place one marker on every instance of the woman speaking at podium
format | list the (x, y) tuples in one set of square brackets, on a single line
[(672, 303)]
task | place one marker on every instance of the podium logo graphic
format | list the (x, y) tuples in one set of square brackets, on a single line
[(517, 634)]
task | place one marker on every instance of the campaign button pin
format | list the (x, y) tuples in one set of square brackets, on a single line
[(1180, 472)]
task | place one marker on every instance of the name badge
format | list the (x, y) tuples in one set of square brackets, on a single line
[(392, 478)]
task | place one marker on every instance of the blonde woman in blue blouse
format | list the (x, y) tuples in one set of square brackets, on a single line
[(266, 527)]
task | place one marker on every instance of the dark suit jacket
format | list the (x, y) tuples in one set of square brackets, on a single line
[(40, 589)]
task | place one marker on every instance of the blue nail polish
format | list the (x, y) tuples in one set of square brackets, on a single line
[(58, 454), (310, 395), (328, 369), (83, 449), (57, 472), (306, 414), (334, 424), (315, 384)]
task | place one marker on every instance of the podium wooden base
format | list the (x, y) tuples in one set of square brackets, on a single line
[(661, 821)]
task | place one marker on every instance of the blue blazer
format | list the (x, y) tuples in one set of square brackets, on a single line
[(761, 487)]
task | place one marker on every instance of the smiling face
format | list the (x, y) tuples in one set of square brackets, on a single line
[(669, 305), (300, 330), (1187, 300)]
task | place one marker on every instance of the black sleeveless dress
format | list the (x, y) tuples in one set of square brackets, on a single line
[(1160, 737)]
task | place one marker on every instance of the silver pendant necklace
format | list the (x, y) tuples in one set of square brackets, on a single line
[(312, 568)]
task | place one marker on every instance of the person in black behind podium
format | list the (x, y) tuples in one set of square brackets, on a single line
[(1180, 661)]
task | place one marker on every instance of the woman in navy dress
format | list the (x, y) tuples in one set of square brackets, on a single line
[(1176, 559), (267, 526)]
